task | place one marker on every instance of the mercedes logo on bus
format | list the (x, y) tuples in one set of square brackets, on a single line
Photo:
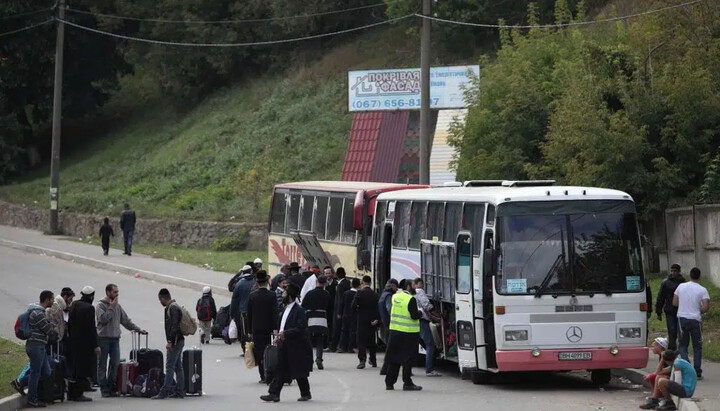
[(574, 334)]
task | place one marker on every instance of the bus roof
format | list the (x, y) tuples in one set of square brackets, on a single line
[(497, 195), (346, 186)]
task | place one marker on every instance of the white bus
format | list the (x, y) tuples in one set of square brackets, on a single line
[(528, 276)]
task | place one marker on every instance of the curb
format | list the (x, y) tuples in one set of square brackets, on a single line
[(11, 403), (638, 377), (118, 268)]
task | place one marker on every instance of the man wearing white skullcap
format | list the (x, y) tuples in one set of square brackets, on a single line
[(206, 314)]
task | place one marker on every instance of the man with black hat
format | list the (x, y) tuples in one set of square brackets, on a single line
[(348, 334), (84, 348), (404, 338), (315, 304), (343, 284), (295, 357), (174, 385), (365, 304), (384, 305), (263, 319)]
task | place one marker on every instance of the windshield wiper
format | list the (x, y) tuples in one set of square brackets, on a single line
[(546, 281)]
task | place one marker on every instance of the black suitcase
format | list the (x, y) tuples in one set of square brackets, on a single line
[(192, 367), (216, 330), (146, 357), (52, 388)]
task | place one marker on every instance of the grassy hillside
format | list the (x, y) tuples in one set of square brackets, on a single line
[(220, 160)]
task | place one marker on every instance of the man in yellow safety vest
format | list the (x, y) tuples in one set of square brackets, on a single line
[(404, 338)]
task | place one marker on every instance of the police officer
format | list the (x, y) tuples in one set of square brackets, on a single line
[(404, 338)]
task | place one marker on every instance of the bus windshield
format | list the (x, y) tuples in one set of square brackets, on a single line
[(587, 247)]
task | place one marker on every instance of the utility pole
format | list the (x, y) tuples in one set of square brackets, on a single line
[(57, 121), (425, 94)]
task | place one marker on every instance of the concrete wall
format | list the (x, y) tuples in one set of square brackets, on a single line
[(193, 234), (693, 236)]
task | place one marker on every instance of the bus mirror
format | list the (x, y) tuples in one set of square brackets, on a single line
[(489, 258)]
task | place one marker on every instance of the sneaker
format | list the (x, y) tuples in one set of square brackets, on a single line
[(361, 366), (16, 386), (270, 397), (433, 374), (373, 364), (35, 404), (650, 404), (161, 396), (669, 405), (305, 398), (412, 387)]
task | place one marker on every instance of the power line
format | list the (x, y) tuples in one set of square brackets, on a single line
[(299, 16), (7, 33), (550, 26), (29, 13), (258, 43)]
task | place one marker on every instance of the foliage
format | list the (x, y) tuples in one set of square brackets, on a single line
[(235, 243), (12, 360), (632, 105)]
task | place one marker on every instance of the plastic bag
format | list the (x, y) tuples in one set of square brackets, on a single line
[(249, 355), (233, 331)]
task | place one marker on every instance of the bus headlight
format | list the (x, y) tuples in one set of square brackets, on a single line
[(630, 332), (614, 350), (516, 335), (535, 352)]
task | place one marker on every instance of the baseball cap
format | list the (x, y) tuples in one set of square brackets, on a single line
[(663, 342)]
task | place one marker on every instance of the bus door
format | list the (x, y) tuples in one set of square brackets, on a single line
[(383, 248), (488, 304), (464, 302), (311, 249)]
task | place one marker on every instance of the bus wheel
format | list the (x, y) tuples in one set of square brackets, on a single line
[(481, 377), (600, 377)]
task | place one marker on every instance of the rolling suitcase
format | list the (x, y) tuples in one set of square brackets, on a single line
[(52, 388), (147, 358), (192, 367), (128, 371)]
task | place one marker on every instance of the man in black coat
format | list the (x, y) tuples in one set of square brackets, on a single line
[(127, 225), (365, 305), (402, 348), (343, 284), (84, 348), (262, 318), (349, 323), (315, 304), (664, 304), (331, 288), (295, 352)]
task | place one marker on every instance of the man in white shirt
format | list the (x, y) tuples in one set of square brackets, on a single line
[(692, 301), (310, 282)]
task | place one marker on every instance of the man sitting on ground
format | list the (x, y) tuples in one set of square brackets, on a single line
[(665, 388), (658, 347)]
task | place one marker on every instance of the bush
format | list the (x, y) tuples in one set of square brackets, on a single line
[(237, 242)]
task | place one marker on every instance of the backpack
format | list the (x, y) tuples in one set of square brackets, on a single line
[(233, 281), (204, 313), (22, 324), (188, 326)]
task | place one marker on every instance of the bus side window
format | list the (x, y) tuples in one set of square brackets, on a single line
[(348, 231), (417, 224), (435, 220), (307, 203), (473, 222), (320, 217), (334, 220), (293, 212), (453, 215), (490, 219), (277, 224), (401, 225)]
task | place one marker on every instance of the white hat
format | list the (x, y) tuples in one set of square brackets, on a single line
[(206, 289), (663, 342), (246, 268), (87, 290), (257, 261)]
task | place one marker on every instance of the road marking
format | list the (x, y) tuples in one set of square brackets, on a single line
[(346, 387)]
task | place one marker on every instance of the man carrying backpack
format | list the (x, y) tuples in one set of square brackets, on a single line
[(174, 386), (37, 328), (206, 313)]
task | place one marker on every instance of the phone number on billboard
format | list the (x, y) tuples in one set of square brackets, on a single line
[(391, 103)]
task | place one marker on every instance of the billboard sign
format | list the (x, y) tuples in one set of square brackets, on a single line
[(399, 89)]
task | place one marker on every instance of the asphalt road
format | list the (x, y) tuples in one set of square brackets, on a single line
[(229, 385)]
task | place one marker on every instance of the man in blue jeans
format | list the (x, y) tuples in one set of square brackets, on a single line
[(110, 315), (172, 388), (127, 225), (42, 329), (426, 310), (692, 301)]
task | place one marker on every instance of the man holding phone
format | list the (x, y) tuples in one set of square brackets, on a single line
[(110, 315)]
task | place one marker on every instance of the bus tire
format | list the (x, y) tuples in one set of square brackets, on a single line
[(481, 377), (600, 377)]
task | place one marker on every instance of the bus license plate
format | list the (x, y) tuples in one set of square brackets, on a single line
[(575, 356)]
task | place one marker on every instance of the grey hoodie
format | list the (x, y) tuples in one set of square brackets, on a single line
[(109, 319)]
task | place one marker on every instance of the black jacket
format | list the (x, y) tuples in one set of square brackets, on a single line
[(365, 304), (106, 231), (342, 286), (210, 300), (262, 311), (665, 296), (173, 315), (315, 304), (296, 356), (346, 307), (404, 346), (332, 292), (127, 220), (83, 338)]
